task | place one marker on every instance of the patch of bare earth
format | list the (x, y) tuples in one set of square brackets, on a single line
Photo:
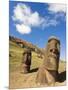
[(19, 80)]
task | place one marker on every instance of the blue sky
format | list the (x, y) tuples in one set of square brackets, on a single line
[(36, 22)]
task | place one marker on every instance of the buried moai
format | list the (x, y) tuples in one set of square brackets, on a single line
[(26, 61), (47, 73)]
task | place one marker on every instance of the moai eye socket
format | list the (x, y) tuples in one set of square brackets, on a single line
[(54, 51), (50, 50)]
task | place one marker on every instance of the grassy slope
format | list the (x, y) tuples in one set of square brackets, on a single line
[(17, 79), (16, 58)]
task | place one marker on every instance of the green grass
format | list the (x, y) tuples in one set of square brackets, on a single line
[(16, 58)]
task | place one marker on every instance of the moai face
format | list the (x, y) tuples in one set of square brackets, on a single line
[(27, 57), (52, 54), (26, 60)]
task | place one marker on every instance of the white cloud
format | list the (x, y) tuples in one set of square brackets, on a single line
[(50, 22), (25, 18), (57, 8), (24, 14), (35, 19), (58, 11), (23, 29)]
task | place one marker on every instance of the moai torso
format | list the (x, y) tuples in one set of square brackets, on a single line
[(52, 54)]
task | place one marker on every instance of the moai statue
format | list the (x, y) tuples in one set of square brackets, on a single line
[(26, 62), (47, 73)]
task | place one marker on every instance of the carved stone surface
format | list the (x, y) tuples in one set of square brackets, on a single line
[(52, 54), (47, 73), (26, 62)]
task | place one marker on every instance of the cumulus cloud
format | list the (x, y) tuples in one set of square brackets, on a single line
[(58, 11), (23, 29), (25, 18), (57, 14), (21, 12), (24, 15), (57, 8)]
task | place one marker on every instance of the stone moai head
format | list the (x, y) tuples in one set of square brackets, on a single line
[(26, 62), (52, 54), (48, 72)]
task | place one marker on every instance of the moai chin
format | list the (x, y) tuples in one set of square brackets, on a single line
[(26, 62), (47, 73)]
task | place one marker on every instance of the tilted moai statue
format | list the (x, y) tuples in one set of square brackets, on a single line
[(26, 62), (47, 73)]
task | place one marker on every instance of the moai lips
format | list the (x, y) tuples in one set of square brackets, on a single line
[(26, 62), (47, 73)]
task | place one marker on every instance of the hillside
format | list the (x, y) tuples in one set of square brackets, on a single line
[(25, 44), (19, 80)]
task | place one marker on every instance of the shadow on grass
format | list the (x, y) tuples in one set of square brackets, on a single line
[(33, 70), (62, 76)]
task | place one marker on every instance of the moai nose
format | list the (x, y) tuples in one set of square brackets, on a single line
[(54, 50)]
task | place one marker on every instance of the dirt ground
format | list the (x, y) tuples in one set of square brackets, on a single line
[(19, 80)]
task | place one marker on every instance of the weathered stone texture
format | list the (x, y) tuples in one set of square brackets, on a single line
[(47, 73), (26, 61)]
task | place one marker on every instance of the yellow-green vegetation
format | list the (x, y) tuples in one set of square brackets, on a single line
[(15, 53), (16, 57), (19, 80)]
